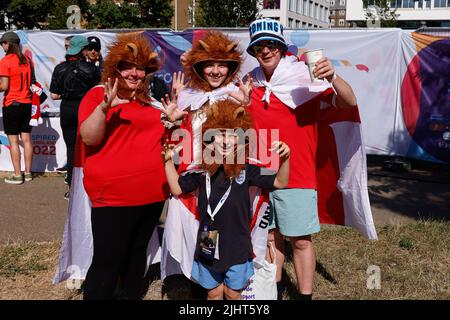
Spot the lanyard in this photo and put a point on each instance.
(211, 213)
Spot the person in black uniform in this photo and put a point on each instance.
(71, 80)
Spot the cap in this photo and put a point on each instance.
(76, 45)
(265, 29)
(10, 36)
(94, 43)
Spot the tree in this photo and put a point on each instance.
(28, 14)
(58, 14)
(379, 11)
(156, 13)
(227, 13)
(105, 14)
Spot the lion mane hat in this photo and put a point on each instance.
(133, 48)
(214, 47)
(227, 114)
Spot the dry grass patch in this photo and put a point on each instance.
(414, 263)
(413, 260)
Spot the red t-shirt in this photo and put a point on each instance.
(19, 80)
(297, 128)
(126, 169)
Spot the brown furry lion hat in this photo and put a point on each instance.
(226, 114)
(214, 47)
(133, 48)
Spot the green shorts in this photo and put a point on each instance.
(294, 212)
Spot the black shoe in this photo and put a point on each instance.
(66, 181)
(66, 195)
(62, 169)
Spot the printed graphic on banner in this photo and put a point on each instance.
(44, 144)
(170, 46)
(426, 97)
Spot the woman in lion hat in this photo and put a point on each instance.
(211, 66)
(121, 134)
(223, 258)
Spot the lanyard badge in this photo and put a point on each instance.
(209, 237)
(209, 241)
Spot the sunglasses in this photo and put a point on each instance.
(269, 44)
(126, 68)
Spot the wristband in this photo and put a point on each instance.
(333, 78)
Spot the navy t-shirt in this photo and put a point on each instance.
(234, 218)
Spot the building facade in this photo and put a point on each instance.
(185, 14)
(338, 10)
(297, 14)
(411, 13)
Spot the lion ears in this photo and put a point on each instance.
(230, 47)
(134, 51)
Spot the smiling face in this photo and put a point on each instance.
(132, 75)
(268, 53)
(215, 72)
(225, 142)
(93, 55)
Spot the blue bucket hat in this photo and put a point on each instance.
(266, 29)
(76, 45)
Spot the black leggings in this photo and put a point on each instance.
(121, 236)
(69, 126)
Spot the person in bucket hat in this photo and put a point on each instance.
(268, 30)
(284, 98)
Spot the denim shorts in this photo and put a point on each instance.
(236, 277)
(294, 212)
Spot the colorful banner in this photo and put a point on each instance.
(401, 80)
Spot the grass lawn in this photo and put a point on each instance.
(413, 262)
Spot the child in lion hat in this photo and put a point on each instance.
(223, 261)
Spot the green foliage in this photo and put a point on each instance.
(104, 14)
(58, 14)
(227, 13)
(156, 13)
(20, 260)
(386, 15)
(406, 243)
(28, 14)
(107, 15)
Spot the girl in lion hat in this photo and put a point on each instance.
(223, 199)
(211, 66)
(121, 135)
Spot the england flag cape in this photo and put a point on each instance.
(343, 197)
(76, 251)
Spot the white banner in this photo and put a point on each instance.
(377, 63)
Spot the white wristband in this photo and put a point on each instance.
(331, 83)
(333, 78)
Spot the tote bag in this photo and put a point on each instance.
(262, 285)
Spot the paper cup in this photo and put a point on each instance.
(312, 56)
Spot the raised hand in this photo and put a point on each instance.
(245, 90)
(324, 69)
(171, 110)
(178, 84)
(110, 98)
(169, 151)
(282, 149)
